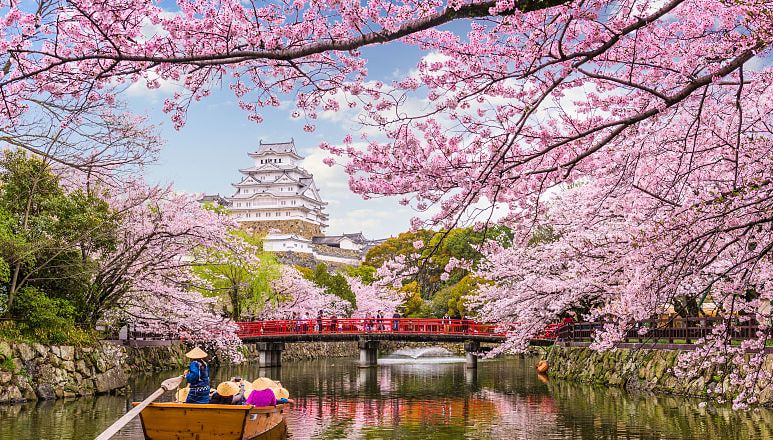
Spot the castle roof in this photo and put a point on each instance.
(336, 239)
(276, 147)
(216, 199)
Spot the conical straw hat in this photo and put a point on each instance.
(282, 393)
(227, 389)
(263, 383)
(196, 353)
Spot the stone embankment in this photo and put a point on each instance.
(639, 370)
(35, 371)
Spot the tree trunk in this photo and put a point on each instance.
(236, 311)
(14, 287)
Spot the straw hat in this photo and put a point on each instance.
(227, 389)
(282, 393)
(263, 383)
(196, 353)
(182, 394)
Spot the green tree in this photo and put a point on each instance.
(414, 306)
(451, 299)
(364, 272)
(52, 232)
(438, 249)
(333, 283)
(241, 274)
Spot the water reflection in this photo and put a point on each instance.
(504, 399)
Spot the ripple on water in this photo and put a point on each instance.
(429, 398)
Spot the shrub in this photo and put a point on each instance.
(47, 320)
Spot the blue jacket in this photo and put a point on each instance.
(198, 379)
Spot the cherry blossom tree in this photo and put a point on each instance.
(147, 279)
(626, 267)
(373, 297)
(294, 293)
(86, 141)
(660, 110)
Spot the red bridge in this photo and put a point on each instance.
(270, 336)
(419, 329)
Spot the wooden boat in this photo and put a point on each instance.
(179, 421)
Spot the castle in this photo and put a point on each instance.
(279, 199)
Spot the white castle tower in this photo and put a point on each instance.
(277, 195)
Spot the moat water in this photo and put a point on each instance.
(422, 398)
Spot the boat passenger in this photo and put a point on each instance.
(228, 393)
(281, 394)
(197, 376)
(262, 392)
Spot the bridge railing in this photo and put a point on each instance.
(672, 330)
(370, 325)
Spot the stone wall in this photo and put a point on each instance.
(297, 259)
(35, 371)
(298, 227)
(156, 358)
(306, 260)
(641, 370)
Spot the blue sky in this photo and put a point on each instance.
(206, 153)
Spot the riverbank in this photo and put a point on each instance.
(36, 372)
(648, 370)
(31, 372)
(39, 372)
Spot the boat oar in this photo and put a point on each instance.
(166, 385)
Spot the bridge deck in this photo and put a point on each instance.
(386, 329)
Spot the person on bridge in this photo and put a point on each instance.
(319, 322)
(197, 376)
(380, 320)
(305, 320)
(297, 319)
(395, 321)
(334, 323)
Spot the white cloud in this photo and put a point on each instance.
(372, 222)
(376, 218)
(332, 181)
(166, 88)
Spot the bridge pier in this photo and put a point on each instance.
(471, 349)
(368, 352)
(270, 353)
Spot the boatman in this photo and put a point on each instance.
(197, 376)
